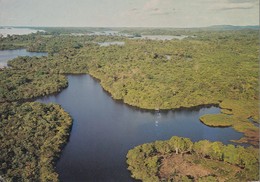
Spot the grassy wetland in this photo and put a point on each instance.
(205, 68)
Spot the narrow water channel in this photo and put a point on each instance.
(6, 55)
(104, 130)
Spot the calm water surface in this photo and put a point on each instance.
(104, 130)
(162, 37)
(17, 31)
(111, 43)
(6, 55)
(106, 32)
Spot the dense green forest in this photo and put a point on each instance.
(26, 84)
(212, 70)
(213, 67)
(51, 42)
(178, 159)
(209, 67)
(32, 135)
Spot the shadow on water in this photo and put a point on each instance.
(104, 130)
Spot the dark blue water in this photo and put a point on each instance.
(104, 130)
(6, 55)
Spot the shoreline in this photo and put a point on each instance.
(121, 101)
(141, 99)
(164, 110)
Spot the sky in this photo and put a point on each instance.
(129, 13)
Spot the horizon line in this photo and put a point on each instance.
(40, 26)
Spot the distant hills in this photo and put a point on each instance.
(232, 27)
(217, 27)
(137, 30)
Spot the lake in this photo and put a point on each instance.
(105, 32)
(105, 44)
(16, 31)
(6, 55)
(151, 37)
(104, 129)
(161, 37)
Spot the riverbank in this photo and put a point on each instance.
(17, 85)
(32, 134)
(133, 87)
(234, 113)
(32, 138)
(104, 130)
(219, 68)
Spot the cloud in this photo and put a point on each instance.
(237, 6)
(243, 1)
(151, 4)
(134, 9)
(161, 13)
(155, 9)
(234, 5)
(158, 7)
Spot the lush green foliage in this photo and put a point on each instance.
(145, 160)
(52, 42)
(184, 31)
(198, 72)
(237, 113)
(25, 84)
(65, 62)
(219, 120)
(212, 67)
(31, 137)
(15, 41)
(223, 67)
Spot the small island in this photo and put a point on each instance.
(179, 159)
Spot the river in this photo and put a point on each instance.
(104, 130)
(4, 31)
(6, 55)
